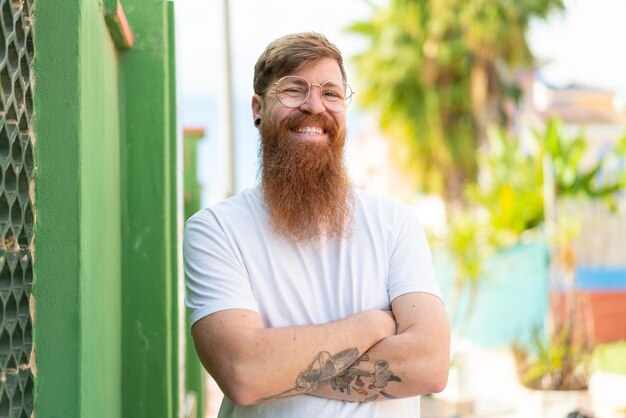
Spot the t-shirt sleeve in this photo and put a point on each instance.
(411, 267)
(215, 278)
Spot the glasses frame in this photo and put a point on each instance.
(346, 101)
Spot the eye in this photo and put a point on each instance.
(332, 95)
(293, 91)
(333, 91)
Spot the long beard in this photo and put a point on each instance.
(305, 184)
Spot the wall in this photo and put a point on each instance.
(603, 290)
(192, 188)
(77, 266)
(512, 299)
(151, 310)
(195, 378)
(108, 213)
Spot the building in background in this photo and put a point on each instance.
(600, 250)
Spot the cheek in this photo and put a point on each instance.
(278, 114)
(340, 120)
(272, 106)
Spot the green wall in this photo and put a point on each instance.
(150, 310)
(193, 190)
(106, 288)
(77, 264)
(100, 219)
(195, 377)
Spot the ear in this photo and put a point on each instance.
(257, 106)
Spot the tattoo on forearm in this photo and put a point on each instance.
(323, 368)
(364, 382)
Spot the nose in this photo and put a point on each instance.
(314, 103)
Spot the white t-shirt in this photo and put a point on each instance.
(234, 261)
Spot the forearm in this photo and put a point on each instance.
(256, 364)
(396, 367)
(413, 362)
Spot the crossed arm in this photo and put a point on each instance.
(413, 362)
(364, 357)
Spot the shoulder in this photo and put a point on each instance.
(229, 217)
(392, 217)
(387, 206)
(235, 207)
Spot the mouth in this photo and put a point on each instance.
(309, 128)
(310, 133)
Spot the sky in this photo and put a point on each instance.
(585, 44)
(582, 45)
(254, 24)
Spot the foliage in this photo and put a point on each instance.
(512, 177)
(511, 187)
(553, 364)
(560, 363)
(575, 177)
(509, 203)
(437, 73)
(467, 243)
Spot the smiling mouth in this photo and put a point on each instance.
(309, 130)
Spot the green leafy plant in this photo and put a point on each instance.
(553, 363)
(574, 177)
(513, 191)
(467, 243)
(510, 188)
(513, 178)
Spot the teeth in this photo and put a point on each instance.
(310, 130)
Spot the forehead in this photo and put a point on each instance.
(323, 70)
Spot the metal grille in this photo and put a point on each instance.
(16, 207)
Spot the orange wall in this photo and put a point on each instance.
(601, 314)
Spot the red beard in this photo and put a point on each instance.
(305, 184)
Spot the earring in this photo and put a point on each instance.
(257, 121)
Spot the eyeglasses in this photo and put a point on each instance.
(293, 91)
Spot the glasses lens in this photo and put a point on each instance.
(292, 91)
(336, 94)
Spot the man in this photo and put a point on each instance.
(306, 293)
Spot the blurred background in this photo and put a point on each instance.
(504, 124)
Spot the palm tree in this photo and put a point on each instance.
(437, 74)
